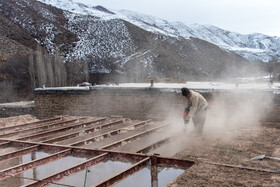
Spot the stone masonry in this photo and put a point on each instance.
(134, 103)
(141, 103)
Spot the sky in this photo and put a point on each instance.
(242, 16)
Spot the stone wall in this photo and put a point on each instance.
(140, 103)
(16, 109)
(9, 112)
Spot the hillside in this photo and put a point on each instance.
(63, 47)
(252, 47)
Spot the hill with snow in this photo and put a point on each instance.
(60, 42)
(253, 47)
(101, 45)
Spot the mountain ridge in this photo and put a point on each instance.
(111, 44)
(56, 47)
(253, 47)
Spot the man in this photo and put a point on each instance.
(196, 108)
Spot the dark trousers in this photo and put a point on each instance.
(199, 120)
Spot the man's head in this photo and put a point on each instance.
(186, 92)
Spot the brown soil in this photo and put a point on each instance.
(234, 148)
(17, 120)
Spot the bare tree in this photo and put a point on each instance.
(275, 68)
(46, 69)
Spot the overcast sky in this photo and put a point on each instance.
(243, 16)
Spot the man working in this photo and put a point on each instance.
(196, 107)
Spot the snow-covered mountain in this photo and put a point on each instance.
(121, 45)
(253, 47)
(60, 42)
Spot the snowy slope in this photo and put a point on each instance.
(74, 7)
(253, 47)
(98, 37)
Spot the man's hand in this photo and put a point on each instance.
(186, 113)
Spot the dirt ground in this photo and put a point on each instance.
(10, 121)
(234, 147)
(220, 154)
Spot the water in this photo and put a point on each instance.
(41, 171)
(16, 181)
(104, 170)
(8, 150)
(139, 179)
(143, 178)
(97, 173)
(167, 175)
(21, 159)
